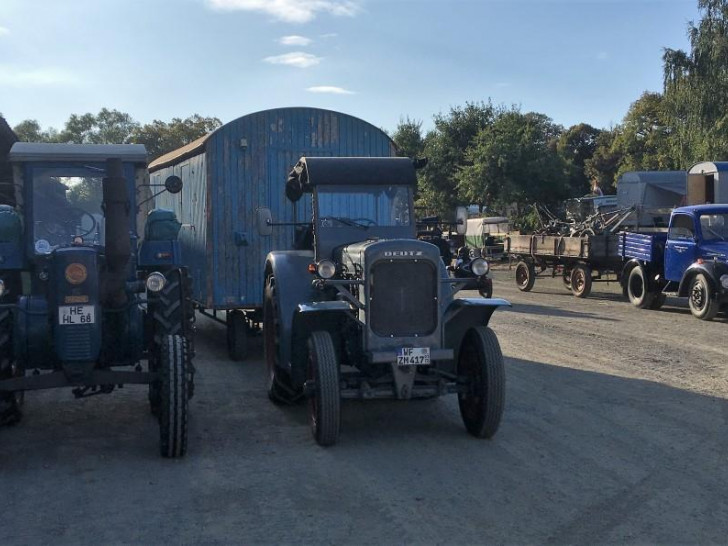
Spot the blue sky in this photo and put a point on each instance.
(573, 60)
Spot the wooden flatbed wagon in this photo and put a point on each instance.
(580, 261)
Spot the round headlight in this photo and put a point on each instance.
(724, 281)
(326, 269)
(76, 273)
(156, 282)
(2, 288)
(479, 267)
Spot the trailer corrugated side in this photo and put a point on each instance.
(234, 170)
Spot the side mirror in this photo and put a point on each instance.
(173, 184)
(461, 220)
(265, 222)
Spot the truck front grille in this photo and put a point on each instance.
(403, 298)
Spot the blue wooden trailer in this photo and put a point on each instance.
(228, 175)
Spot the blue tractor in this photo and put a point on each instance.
(82, 302)
(361, 309)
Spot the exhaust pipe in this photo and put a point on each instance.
(118, 243)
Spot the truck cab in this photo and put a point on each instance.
(690, 260)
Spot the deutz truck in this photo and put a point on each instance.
(690, 260)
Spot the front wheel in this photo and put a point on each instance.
(480, 366)
(174, 396)
(700, 298)
(485, 288)
(525, 276)
(325, 402)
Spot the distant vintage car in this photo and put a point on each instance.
(368, 311)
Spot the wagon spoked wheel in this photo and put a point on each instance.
(278, 386)
(581, 281)
(325, 401)
(174, 396)
(480, 368)
(566, 278)
(10, 403)
(525, 276)
(702, 303)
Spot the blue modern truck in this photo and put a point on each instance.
(689, 260)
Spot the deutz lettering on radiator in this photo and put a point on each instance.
(390, 253)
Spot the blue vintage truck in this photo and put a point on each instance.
(689, 260)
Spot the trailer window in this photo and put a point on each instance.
(714, 227)
(682, 227)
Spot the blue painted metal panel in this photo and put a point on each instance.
(642, 246)
(243, 166)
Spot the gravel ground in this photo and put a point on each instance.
(615, 431)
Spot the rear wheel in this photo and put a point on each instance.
(237, 335)
(174, 396)
(278, 384)
(325, 402)
(10, 403)
(700, 298)
(480, 365)
(525, 276)
(638, 289)
(581, 281)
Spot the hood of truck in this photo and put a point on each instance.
(354, 256)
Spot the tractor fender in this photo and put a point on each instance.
(712, 271)
(464, 313)
(293, 285)
(310, 317)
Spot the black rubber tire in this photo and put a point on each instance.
(638, 289)
(237, 336)
(480, 365)
(171, 314)
(11, 404)
(278, 385)
(700, 298)
(566, 278)
(486, 290)
(525, 276)
(658, 301)
(581, 281)
(325, 402)
(173, 371)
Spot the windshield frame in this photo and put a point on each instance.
(328, 238)
(68, 169)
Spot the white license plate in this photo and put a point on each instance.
(413, 356)
(76, 314)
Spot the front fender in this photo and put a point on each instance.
(464, 313)
(712, 270)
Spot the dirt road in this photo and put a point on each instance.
(615, 430)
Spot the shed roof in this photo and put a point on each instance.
(34, 151)
(180, 154)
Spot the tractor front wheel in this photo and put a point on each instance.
(480, 367)
(174, 396)
(325, 402)
(10, 403)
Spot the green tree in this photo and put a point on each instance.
(602, 167)
(106, 127)
(576, 146)
(408, 138)
(161, 137)
(513, 162)
(696, 90)
(30, 130)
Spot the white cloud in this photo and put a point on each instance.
(290, 11)
(39, 77)
(299, 59)
(295, 41)
(330, 89)
(4, 31)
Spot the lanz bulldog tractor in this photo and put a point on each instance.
(78, 300)
(369, 311)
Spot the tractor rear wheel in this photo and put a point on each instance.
(278, 385)
(237, 335)
(325, 402)
(480, 365)
(10, 403)
(174, 396)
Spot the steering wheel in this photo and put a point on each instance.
(61, 229)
